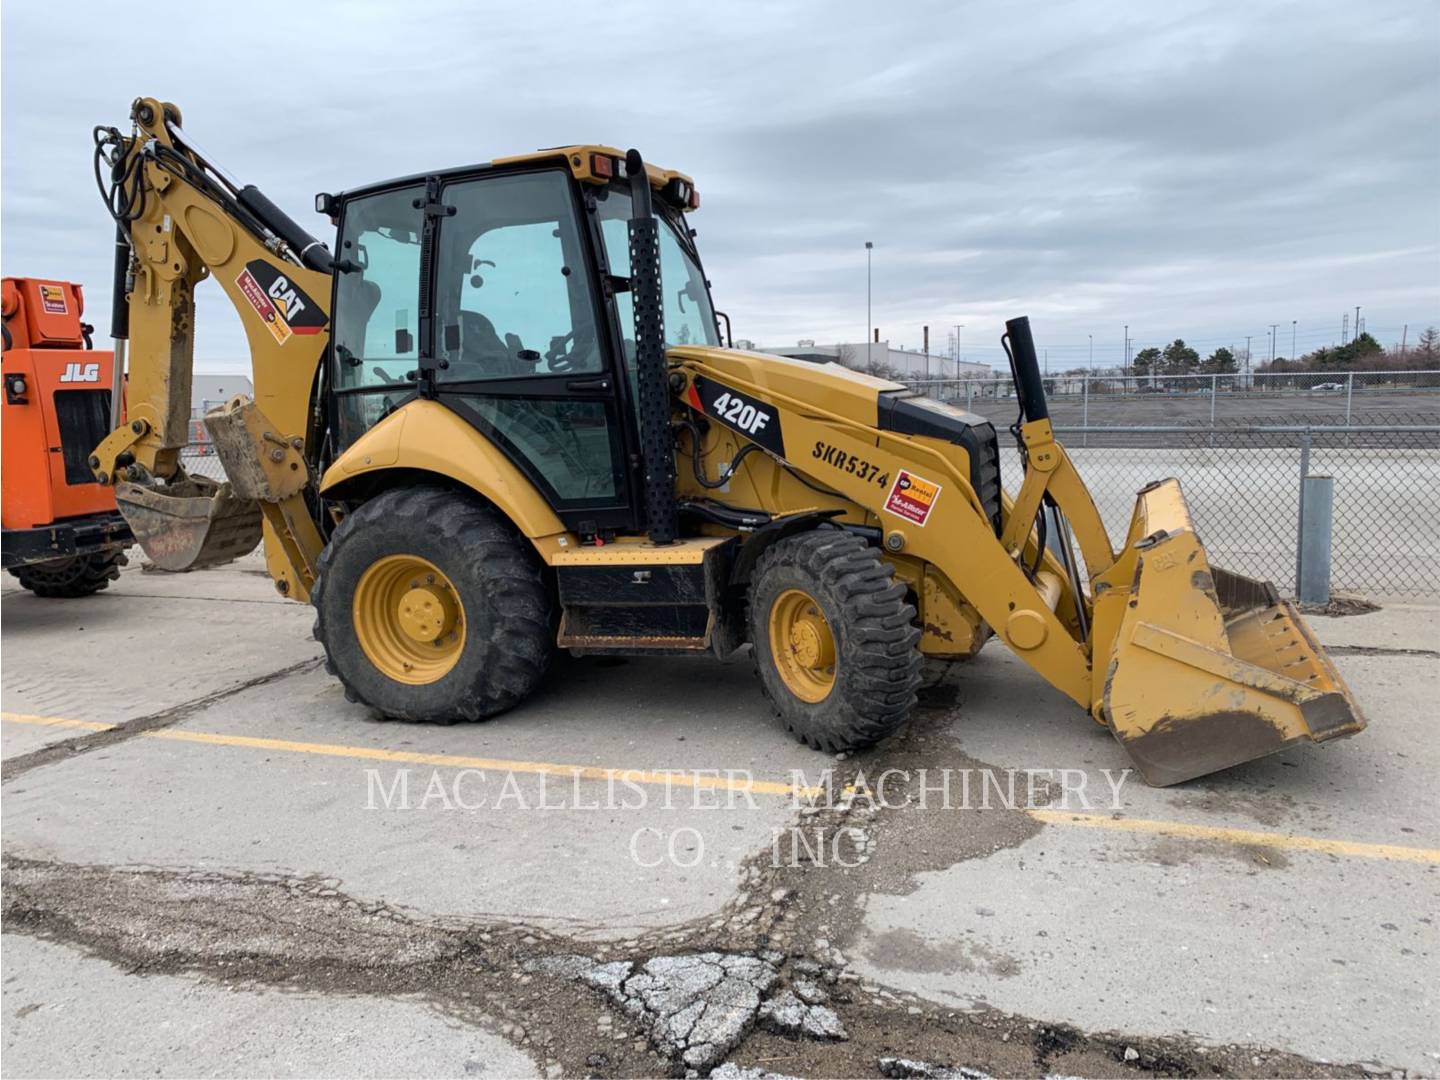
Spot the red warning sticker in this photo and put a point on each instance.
(52, 300)
(912, 497)
(267, 311)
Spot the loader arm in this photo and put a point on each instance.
(1192, 668)
(186, 221)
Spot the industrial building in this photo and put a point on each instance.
(860, 355)
(208, 391)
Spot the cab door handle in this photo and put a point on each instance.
(588, 384)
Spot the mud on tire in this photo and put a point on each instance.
(509, 635)
(78, 575)
(877, 661)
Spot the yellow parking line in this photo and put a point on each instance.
(1282, 841)
(666, 778)
(55, 721)
(721, 781)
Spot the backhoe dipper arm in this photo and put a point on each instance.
(186, 220)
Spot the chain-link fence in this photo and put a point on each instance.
(1239, 444)
(200, 459)
(1085, 399)
(1242, 483)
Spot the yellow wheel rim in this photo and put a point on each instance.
(409, 619)
(802, 645)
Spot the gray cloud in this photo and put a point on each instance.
(1197, 170)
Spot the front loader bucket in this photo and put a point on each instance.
(1207, 669)
(191, 524)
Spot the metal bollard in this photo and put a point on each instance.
(1317, 505)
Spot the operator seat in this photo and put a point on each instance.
(359, 299)
(483, 354)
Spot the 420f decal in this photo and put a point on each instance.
(757, 420)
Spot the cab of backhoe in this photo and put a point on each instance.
(502, 292)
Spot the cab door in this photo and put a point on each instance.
(521, 349)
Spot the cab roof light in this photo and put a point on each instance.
(602, 166)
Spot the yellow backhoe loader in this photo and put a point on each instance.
(499, 419)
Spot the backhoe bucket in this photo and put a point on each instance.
(1206, 669)
(191, 524)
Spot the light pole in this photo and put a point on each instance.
(869, 320)
(1274, 328)
(1292, 337)
(1126, 361)
(1091, 366)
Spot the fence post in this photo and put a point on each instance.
(1349, 395)
(1085, 420)
(1317, 503)
(1300, 512)
(1214, 389)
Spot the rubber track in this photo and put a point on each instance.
(79, 575)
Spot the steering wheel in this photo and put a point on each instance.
(558, 357)
(561, 359)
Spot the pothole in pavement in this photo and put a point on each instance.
(763, 986)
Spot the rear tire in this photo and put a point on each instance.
(78, 575)
(490, 656)
(830, 582)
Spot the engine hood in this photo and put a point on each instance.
(829, 386)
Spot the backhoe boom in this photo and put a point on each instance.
(186, 221)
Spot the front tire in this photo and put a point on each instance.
(77, 575)
(834, 638)
(432, 608)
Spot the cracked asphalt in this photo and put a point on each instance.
(214, 865)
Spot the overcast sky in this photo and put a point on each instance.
(1192, 169)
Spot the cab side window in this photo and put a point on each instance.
(513, 283)
(377, 306)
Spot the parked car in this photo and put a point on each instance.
(1329, 386)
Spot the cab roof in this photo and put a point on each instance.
(585, 161)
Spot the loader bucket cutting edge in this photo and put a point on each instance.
(192, 525)
(1207, 669)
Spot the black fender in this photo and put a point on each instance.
(776, 529)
